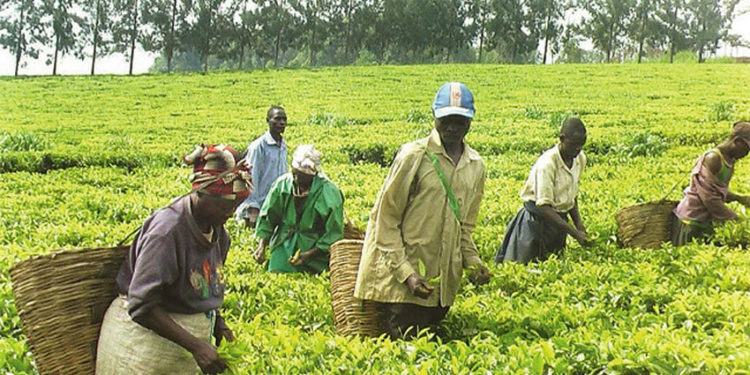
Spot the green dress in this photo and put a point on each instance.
(320, 224)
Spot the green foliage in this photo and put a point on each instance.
(603, 309)
(721, 111)
(557, 118)
(641, 144)
(22, 142)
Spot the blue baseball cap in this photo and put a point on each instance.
(453, 98)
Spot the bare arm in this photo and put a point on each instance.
(576, 217)
(553, 217)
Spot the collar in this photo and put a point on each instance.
(558, 156)
(435, 144)
(268, 138)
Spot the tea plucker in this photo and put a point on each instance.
(425, 213)
(301, 218)
(171, 283)
(550, 196)
(704, 200)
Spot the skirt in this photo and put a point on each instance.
(530, 237)
(126, 347)
(683, 232)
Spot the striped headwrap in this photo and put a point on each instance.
(217, 171)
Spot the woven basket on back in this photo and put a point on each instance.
(61, 298)
(646, 225)
(351, 316)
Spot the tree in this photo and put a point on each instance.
(127, 28)
(545, 21)
(162, 33)
(707, 23)
(26, 33)
(509, 33)
(644, 28)
(63, 35)
(606, 23)
(96, 30)
(669, 16)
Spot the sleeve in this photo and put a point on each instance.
(272, 211)
(390, 208)
(156, 266)
(257, 161)
(469, 251)
(334, 219)
(544, 182)
(711, 194)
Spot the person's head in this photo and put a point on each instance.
(305, 164)
(220, 180)
(740, 139)
(453, 109)
(276, 118)
(572, 137)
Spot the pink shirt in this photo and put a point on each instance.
(704, 198)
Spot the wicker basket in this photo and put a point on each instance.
(61, 298)
(351, 316)
(646, 225)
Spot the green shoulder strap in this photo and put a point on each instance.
(452, 202)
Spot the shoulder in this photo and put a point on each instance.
(582, 159)
(548, 159)
(712, 161)
(331, 192)
(284, 181)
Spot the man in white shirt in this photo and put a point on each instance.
(550, 196)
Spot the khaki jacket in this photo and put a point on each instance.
(412, 220)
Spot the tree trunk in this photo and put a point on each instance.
(96, 37)
(347, 40)
(134, 35)
(671, 34)
(610, 41)
(20, 37)
(546, 36)
(481, 42)
(641, 36)
(57, 49)
(207, 48)
(278, 46)
(170, 43)
(311, 20)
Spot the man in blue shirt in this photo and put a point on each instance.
(267, 156)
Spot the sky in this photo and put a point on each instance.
(117, 63)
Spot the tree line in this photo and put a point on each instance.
(245, 34)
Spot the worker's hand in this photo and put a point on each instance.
(419, 286)
(260, 254)
(253, 218)
(582, 238)
(480, 275)
(300, 258)
(208, 359)
(222, 332)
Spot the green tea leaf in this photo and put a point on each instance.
(422, 268)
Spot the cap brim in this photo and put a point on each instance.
(447, 111)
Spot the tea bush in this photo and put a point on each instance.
(100, 161)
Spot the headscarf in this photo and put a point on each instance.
(741, 130)
(217, 171)
(306, 159)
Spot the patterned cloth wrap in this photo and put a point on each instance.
(217, 171)
(306, 159)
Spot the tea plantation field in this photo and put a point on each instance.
(84, 160)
